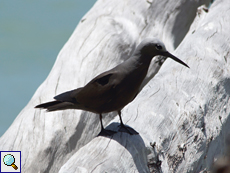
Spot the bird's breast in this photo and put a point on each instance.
(109, 93)
(124, 91)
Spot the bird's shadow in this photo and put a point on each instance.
(133, 143)
(117, 127)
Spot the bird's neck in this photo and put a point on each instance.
(136, 67)
(139, 63)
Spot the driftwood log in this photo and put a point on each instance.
(182, 115)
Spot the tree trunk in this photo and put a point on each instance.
(183, 113)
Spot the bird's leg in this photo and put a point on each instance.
(119, 113)
(124, 128)
(102, 127)
(103, 131)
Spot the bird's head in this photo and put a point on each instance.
(151, 47)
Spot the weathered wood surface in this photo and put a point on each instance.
(184, 111)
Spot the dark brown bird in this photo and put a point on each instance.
(113, 89)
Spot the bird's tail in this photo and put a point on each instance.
(55, 106)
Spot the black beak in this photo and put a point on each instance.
(174, 58)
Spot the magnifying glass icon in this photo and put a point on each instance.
(9, 160)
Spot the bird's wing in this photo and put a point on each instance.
(68, 96)
(99, 90)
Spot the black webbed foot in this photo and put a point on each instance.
(105, 132)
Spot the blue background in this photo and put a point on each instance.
(31, 35)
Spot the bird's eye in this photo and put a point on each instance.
(158, 47)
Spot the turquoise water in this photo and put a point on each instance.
(31, 35)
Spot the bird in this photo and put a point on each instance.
(112, 90)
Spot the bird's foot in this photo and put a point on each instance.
(105, 132)
(126, 129)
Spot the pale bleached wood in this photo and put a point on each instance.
(179, 107)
